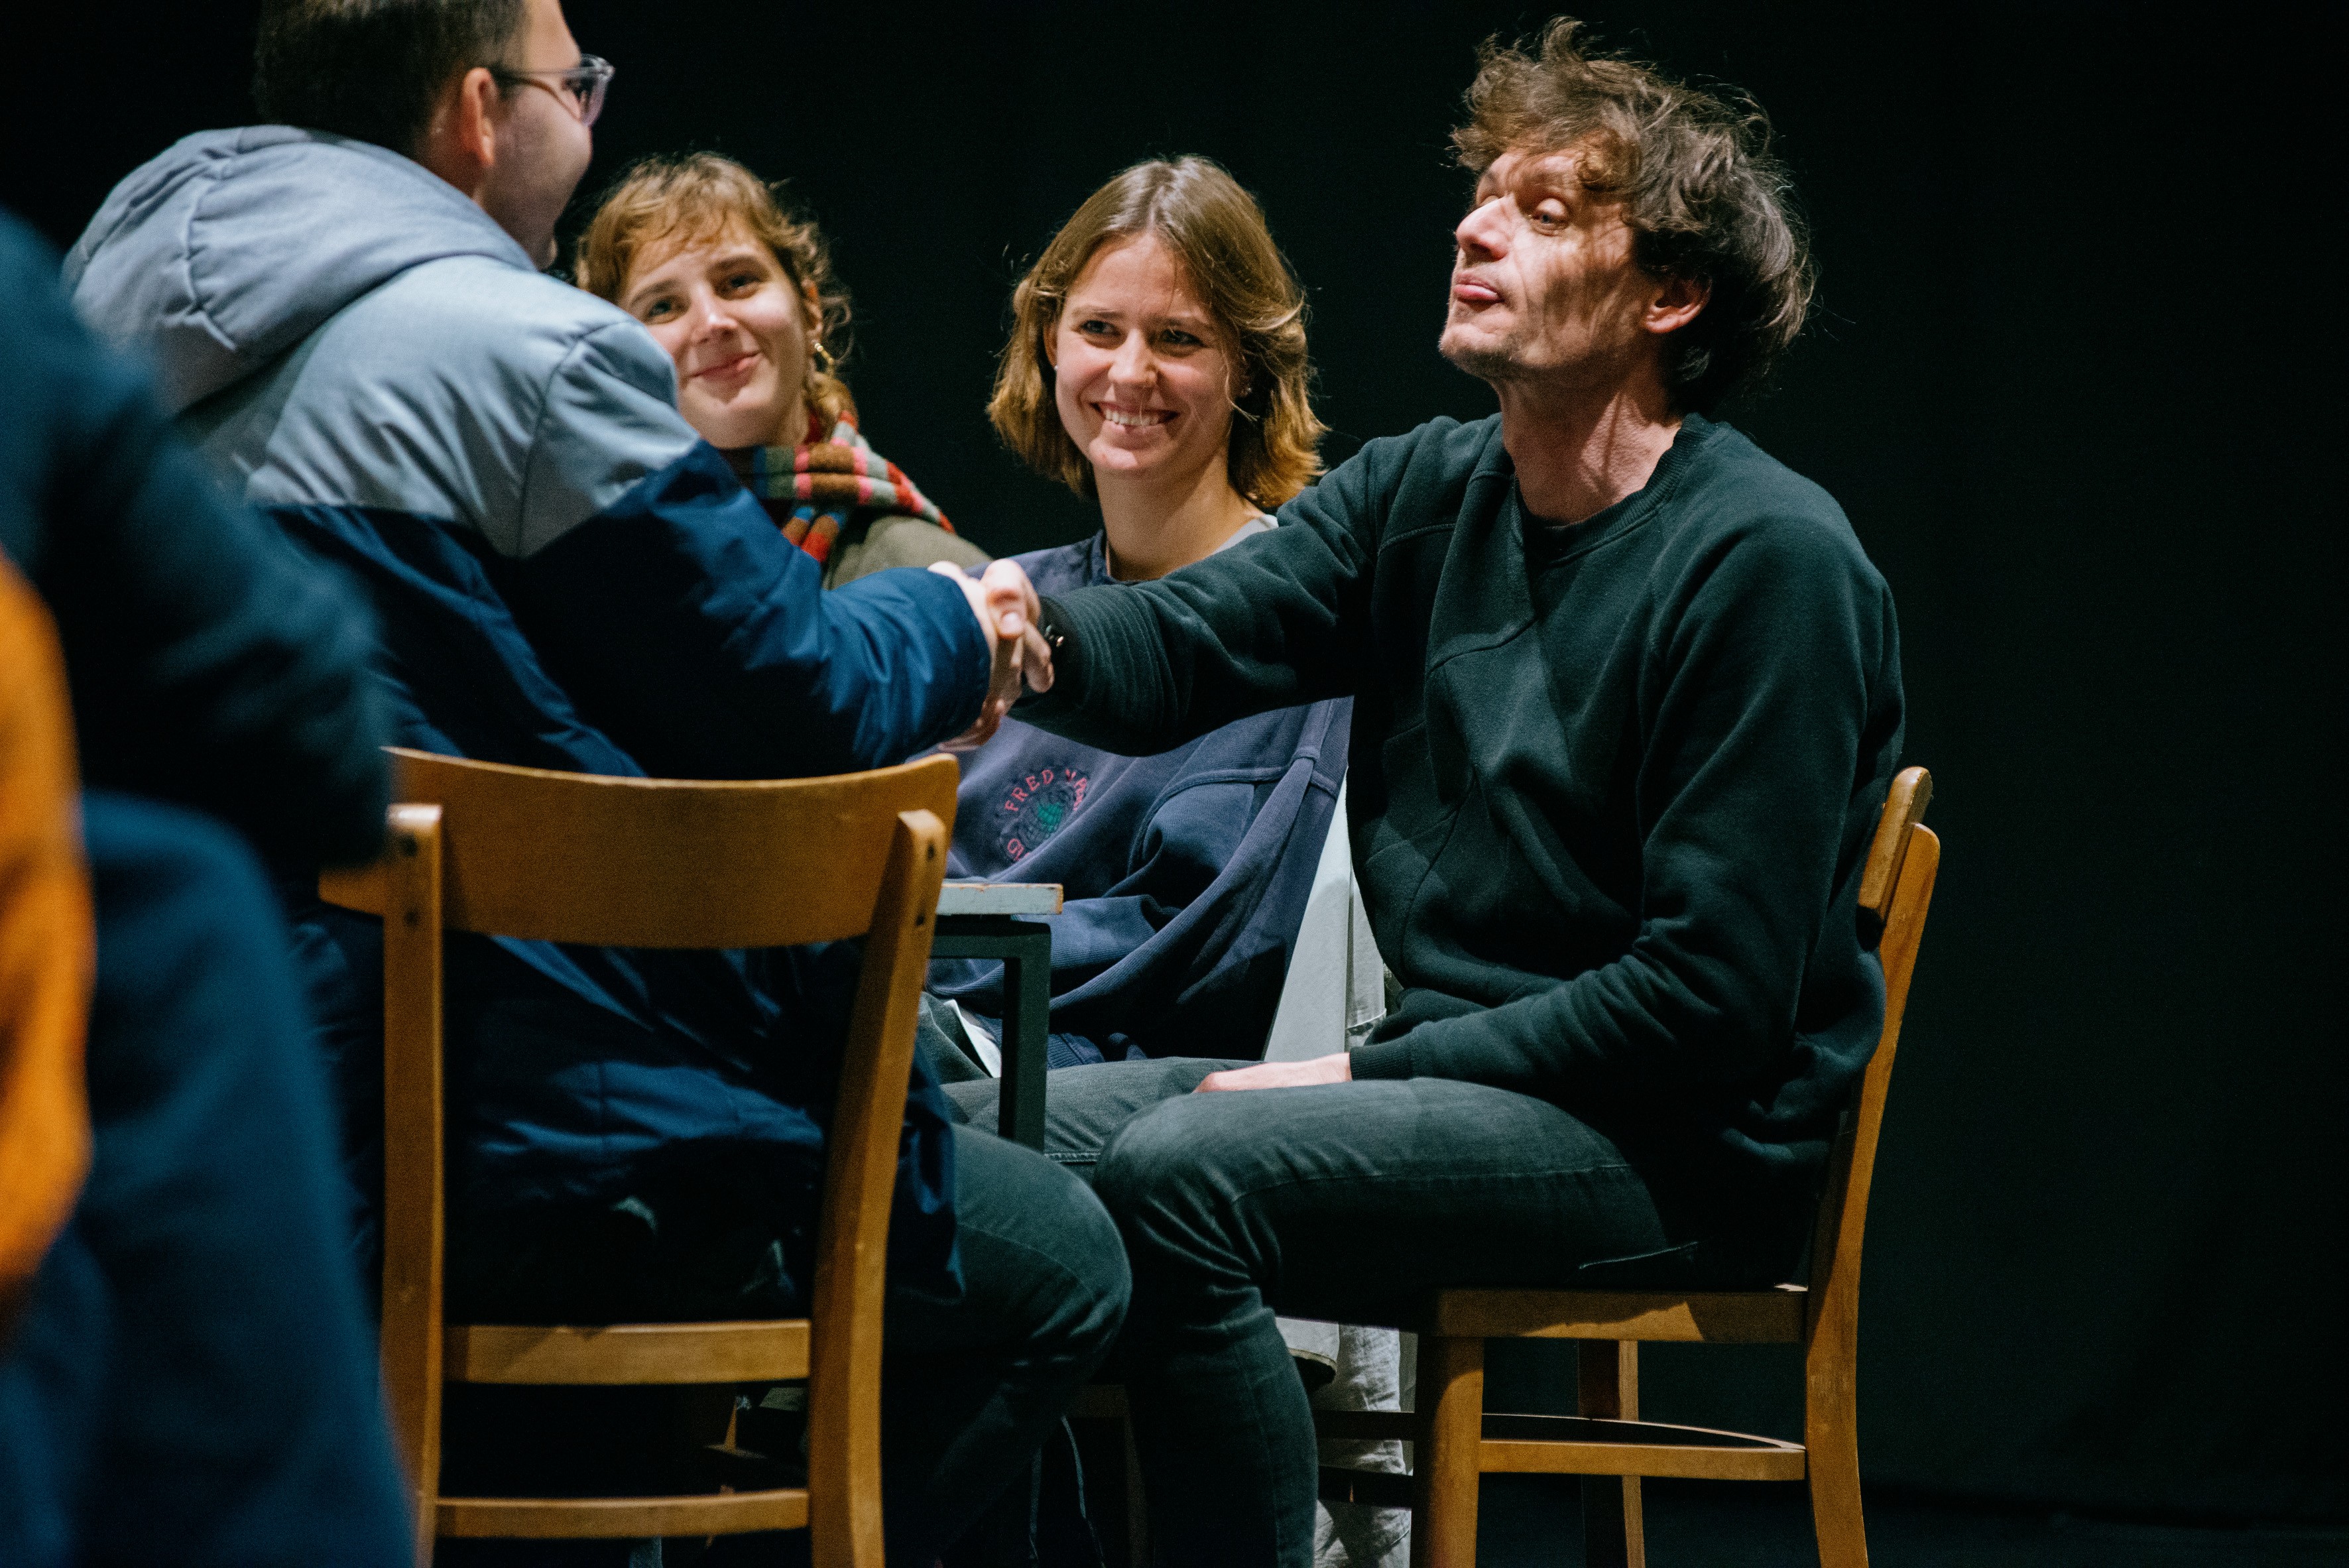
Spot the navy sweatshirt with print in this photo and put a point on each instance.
(1186, 873)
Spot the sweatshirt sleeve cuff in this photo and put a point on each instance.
(1383, 1059)
(1062, 630)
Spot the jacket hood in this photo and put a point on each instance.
(214, 258)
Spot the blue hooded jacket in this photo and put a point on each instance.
(567, 577)
(1187, 874)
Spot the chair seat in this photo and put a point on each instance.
(628, 1353)
(1772, 1317)
(603, 1517)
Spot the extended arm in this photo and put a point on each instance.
(1279, 620)
(667, 602)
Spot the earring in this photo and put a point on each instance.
(821, 357)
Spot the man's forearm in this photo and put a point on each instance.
(1110, 684)
(1141, 668)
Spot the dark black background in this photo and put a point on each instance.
(2073, 378)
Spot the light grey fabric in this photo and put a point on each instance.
(1349, 1367)
(1371, 1367)
(1335, 989)
(343, 329)
(899, 541)
(607, 418)
(1315, 1347)
(231, 246)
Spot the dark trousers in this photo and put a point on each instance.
(195, 1382)
(1346, 1202)
(970, 1386)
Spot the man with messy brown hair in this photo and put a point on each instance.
(1702, 201)
(1627, 701)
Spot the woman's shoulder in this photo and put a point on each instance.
(1066, 567)
(899, 541)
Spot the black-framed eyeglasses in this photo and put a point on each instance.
(582, 85)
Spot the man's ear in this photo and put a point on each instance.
(1676, 302)
(459, 141)
(478, 97)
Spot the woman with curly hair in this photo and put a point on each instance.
(741, 291)
(1156, 366)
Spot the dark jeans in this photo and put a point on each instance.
(971, 1386)
(1346, 1202)
(195, 1381)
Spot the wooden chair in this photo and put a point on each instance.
(1455, 1442)
(647, 863)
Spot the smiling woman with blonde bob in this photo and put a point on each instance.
(1156, 366)
(739, 290)
(1168, 269)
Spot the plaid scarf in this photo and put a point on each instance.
(816, 491)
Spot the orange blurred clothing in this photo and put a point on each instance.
(46, 945)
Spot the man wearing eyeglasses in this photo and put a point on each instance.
(346, 312)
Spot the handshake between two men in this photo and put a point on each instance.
(1005, 603)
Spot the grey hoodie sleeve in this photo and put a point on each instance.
(209, 664)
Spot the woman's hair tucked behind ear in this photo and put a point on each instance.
(689, 198)
(1217, 235)
(1705, 198)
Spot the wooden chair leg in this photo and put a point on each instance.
(414, 1179)
(1831, 1434)
(1613, 1533)
(1450, 1423)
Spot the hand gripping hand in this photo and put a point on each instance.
(1005, 603)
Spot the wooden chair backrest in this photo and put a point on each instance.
(664, 863)
(48, 946)
(1896, 889)
(643, 863)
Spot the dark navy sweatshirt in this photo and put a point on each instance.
(1186, 874)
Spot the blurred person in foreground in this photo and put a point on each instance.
(740, 291)
(190, 1379)
(1627, 702)
(346, 313)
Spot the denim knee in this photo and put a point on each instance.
(1094, 1252)
(1040, 1214)
(1162, 1166)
